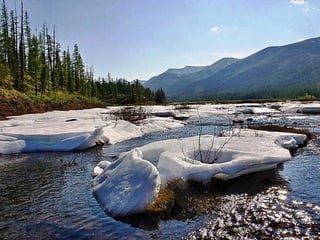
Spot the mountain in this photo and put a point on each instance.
(142, 82)
(185, 70)
(174, 81)
(281, 71)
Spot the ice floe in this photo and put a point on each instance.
(17, 143)
(72, 130)
(128, 185)
(310, 109)
(80, 129)
(100, 167)
(199, 158)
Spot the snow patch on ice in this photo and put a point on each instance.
(128, 185)
(17, 143)
(72, 130)
(100, 167)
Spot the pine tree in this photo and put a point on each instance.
(67, 71)
(44, 69)
(59, 69)
(51, 44)
(160, 96)
(13, 50)
(44, 74)
(34, 62)
(5, 41)
(22, 54)
(77, 69)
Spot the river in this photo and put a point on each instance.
(47, 196)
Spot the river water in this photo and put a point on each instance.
(47, 196)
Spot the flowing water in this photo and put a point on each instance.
(47, 196)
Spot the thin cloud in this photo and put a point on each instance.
(214, 29)
(310, 9)
(298, 2)
(306, 6)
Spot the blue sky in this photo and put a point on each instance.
(142, 38)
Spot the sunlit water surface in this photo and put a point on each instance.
(47, 196)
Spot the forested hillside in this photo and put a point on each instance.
(34, 63)
(291, 71)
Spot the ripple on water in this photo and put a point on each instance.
(265, 215)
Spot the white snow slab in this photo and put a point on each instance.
(17, 143)
(247, 151)
(127, 186)
(254, 108)
(77, 129)
(51, 131)
(131, 183)
(100, 167)
(71, 130)
(120, 130)
(158, 124)
(310, 109)
(293, 107)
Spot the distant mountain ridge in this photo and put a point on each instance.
(282, 71)
(185, 70)
(176, 81)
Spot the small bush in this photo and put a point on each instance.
(307, 97)
(182, 107)
(131, 114)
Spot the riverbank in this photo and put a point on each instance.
(13, 103)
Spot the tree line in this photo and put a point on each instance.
(34, 63)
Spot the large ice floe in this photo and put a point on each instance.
(131, 183)
(72, 130)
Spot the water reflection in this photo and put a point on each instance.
(194, 199)
(265, 215)
(43, 197)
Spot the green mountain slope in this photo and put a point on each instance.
(176, 81)
(272, 72)
(284, 71)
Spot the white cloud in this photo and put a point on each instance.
(298, 2)
(309, 9)
(306, 9)
(215, 29)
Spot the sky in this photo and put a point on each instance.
(138, 39)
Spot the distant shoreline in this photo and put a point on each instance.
(8, 110)
(13, 103)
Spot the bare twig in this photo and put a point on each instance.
(218, 153)
(200, 134)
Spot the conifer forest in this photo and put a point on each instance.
(34, 63)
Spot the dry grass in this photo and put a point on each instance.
(163, 204)
(131, 114)
(13, 102)
(180, 198)
(182, 107)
